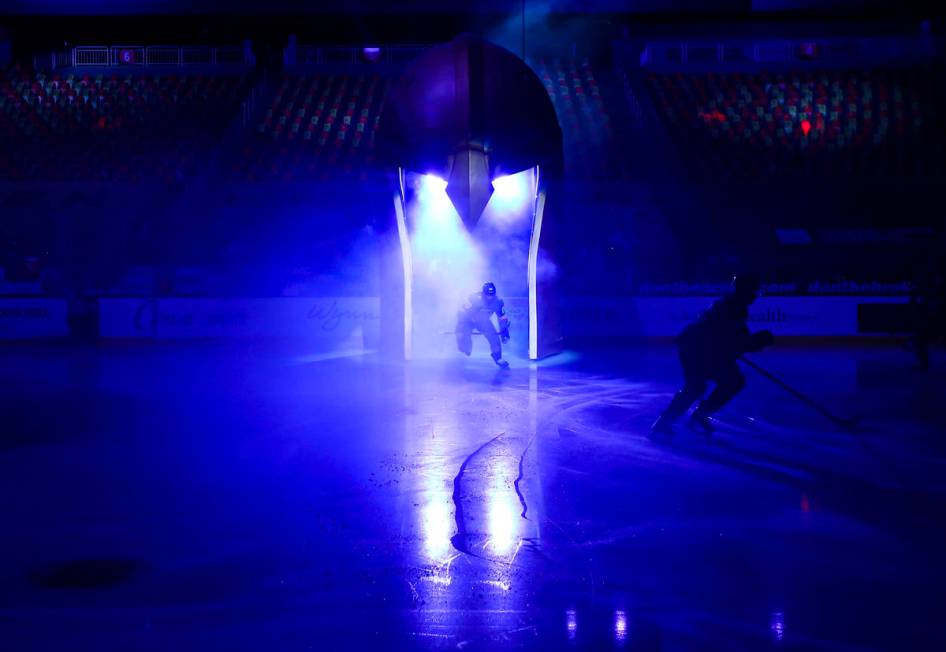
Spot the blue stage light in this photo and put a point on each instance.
(437, 226)
(446, 263)
(511, 204)
(512, 190)
(432, 196)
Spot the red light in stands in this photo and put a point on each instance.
(712, 116)
(805, 127)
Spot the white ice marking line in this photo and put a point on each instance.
(505, 586)
(516, 553)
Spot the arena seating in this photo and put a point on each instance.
(588, 131)
(879, 122)
(316, 126)
(111, 127)
(323, 124)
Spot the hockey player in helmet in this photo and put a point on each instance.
(476, 314)
(708, 350)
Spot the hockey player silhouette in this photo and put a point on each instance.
(708, 350)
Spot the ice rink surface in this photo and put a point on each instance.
(260, 497)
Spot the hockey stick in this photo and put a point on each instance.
(473, 332)
(846, 423)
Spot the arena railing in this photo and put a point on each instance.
(95, 55)
(196, 55)
(152, 55)
(350, 54)
(128, 55)
(163, 55)
(689, 53)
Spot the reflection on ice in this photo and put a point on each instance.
(571, 624)
(438, 527)
(777, 625)
(469, 535)
(502, 536)
(620, 626)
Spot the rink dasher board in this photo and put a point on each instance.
(343, 321)
(809, 316)
(348, 321)
(33, 318)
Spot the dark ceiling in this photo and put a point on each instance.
(467, 7)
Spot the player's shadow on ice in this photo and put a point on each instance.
(476, 373)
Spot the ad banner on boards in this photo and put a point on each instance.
(667, 316)
(22, 319)
(348, 321)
